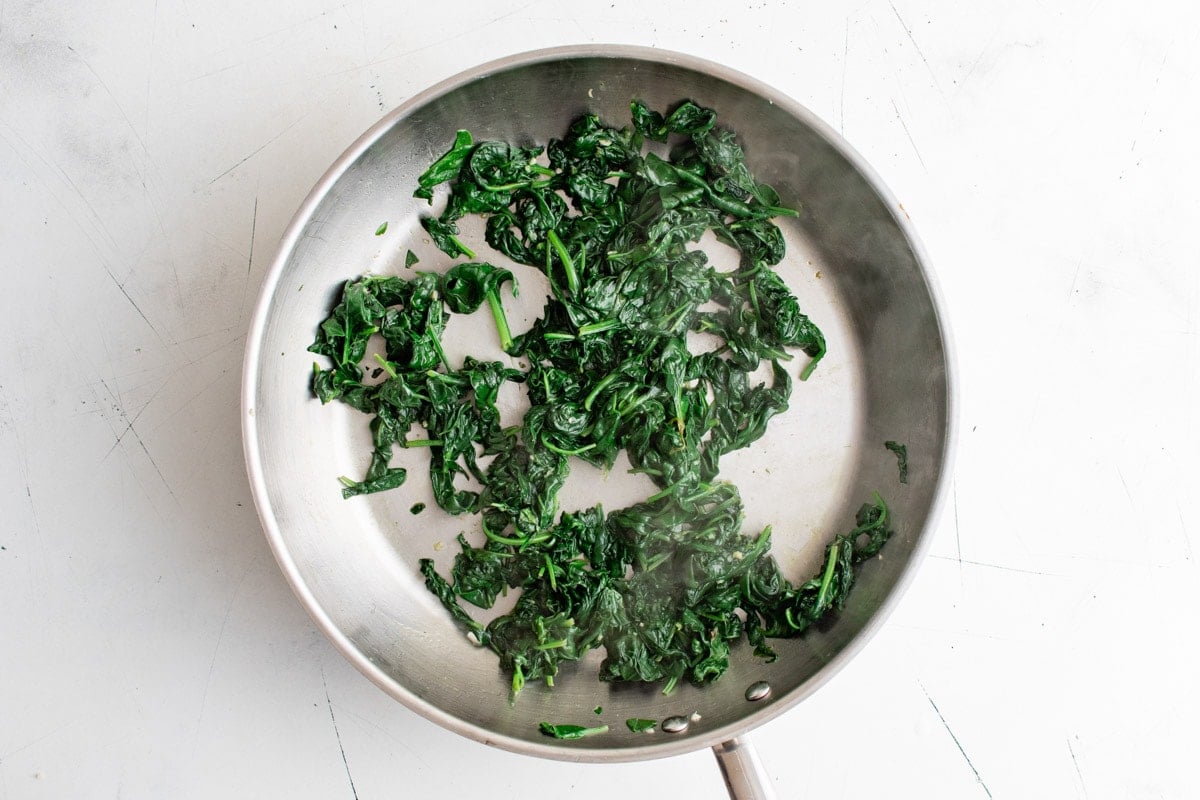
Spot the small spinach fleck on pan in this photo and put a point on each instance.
(901, 452)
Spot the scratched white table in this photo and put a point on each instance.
(151, 154)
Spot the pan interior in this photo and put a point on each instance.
(851, 263)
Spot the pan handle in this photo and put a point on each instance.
(742, 771)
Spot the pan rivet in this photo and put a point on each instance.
(674, 724)
(760, 690)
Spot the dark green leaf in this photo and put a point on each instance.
(445, 236)
(570, 731)
(648, 122)
(901, 452)
(388, 480)
(691, 119)
(446, 167)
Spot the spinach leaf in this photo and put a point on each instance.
(446, 167)
(467, 286)
(570, 731)
(686, 118)
(901, 452)
(444, 234)
(380, 477)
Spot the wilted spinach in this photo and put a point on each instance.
(666, 586)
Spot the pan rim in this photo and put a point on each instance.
(580, 751)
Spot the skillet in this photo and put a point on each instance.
(858, 270)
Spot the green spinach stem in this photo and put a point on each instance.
(493, 301)
(565, 258)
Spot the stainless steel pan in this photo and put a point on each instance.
(858, 270)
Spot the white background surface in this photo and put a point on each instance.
(151, 154)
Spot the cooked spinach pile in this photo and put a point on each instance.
(667, 585)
